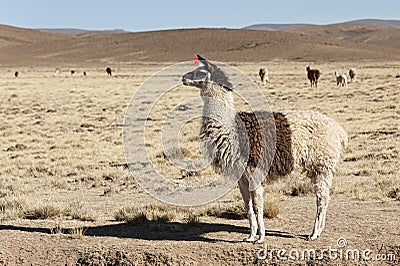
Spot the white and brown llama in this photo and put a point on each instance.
(307, 140)
(57, 72)
(341, 79)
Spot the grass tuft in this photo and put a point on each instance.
(272, 207)
(42, 212)
(192, 219)
(77, 232)
(145, 215)
(234, 212)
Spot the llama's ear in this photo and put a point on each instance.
(199, 59)
(207, 65)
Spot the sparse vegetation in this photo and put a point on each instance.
(77, 232)
(42, 212)
(48, 159)
(57, 230)
(272, 206)
(235, 211)
(146, 214)
(78, 212)
(192, 219)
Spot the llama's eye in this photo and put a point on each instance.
(200, 75)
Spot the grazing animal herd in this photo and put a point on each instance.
(57, 72)
(306, 140)
(313, 76)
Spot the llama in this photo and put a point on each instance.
(57, 72)
(307, 140)
(16, 74)
(84, 73)
(109, 71)
(313, 76)
(263, 73)
(340, 79)
(352, 74)
(72, 73)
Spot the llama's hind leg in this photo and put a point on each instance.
(322, 184)
(244, 190)
(257, 198)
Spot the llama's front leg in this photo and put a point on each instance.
(257, 197)
(244, 190)
(322, 186)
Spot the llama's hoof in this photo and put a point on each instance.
(249, 239)
(312, 237)
(259, 241)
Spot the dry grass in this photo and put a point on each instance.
(42, 212)
(146, 214)
(78, 211)
(192, 219)
(12, 207)
(57, 230)
(63, 142)
(77, 232)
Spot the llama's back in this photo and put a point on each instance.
(282, 141)
(317, 140)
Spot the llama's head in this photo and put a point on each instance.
(308, 68)
(209, 78)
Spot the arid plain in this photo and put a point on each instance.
(67, 197)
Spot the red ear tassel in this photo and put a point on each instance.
(196, 59)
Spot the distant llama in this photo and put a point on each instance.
(16, 74)
(72, 72)
(57, 72)
(84, 73)
(263, 73)
(313, 75)
(306, 140)
(340, 79)
(353, 75)
(109, 71)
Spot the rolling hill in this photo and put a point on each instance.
(376, 22)
(383, 36)
(13, 36)
(339, 42)
(73, 31)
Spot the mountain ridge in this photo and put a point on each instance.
(307, 43)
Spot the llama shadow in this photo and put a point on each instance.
(281, 234)
(166, 231)
(150, 231)
(157, 231)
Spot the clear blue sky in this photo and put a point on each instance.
(153, 15)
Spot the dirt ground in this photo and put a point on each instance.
(63, 175)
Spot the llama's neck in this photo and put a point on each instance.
(218, 134)
(218, 104)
